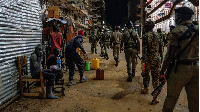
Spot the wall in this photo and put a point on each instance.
(20, 32)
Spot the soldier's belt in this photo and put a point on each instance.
(116, 43)
(130, 47)
(187, 62)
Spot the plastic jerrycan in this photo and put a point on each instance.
(95, 63)
(87, 67)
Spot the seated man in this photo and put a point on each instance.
(52, 61)
(35, 66)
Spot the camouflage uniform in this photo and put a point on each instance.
(130, 50)
(100, 38)
(151, 57)
(93, 42)
(106, 44)
(116, 40)
(162, 40)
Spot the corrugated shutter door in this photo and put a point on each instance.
(20, 32)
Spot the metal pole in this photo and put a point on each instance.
(142, 4)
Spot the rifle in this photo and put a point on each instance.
(168, 72)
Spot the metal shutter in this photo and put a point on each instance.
(20, 32)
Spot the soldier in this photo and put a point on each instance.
(93, 41)
(100, 38)
(116, 41)
(131, 44)
(167, 37)
(151, 46)
(106, 43)
(162, 40)
(184, 42)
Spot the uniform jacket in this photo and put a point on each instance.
(106, 37)
(116, 37)
(132, 40)
(151, 45)
(192, 52)
(73, 44)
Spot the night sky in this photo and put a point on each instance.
(116, 10)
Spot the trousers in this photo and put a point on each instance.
(71, 60)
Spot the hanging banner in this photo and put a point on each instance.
(148, 1)
(167, 5)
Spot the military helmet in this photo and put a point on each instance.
(117, 27)
(183, 14)
(159, 30)
(184, 10)
(150, 23)
(129, 24)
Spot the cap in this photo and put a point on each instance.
(184, 10)
(129, 24)
(81, 32)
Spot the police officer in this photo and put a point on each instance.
(116, 41)
(100, 38)
(72, 57)
(187, 65)
(106, 43)
(151, 46)
(93, 41)
(131, 45)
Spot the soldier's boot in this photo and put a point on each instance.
(92, 51)
(129, 79)
(133, 73)
(155, 101)
(145, 90)
(96, 51)
(49, 94)
(107, 57)
(83, 79)
(101, 54)
(116, 60)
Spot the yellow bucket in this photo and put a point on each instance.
(95, 63)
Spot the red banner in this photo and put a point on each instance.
(167, 5)
(89, 21)
(148, 1)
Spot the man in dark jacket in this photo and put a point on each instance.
(35, 66)
(72, 57)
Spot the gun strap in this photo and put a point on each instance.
(196, 33)
(184, 37)
(129, 37)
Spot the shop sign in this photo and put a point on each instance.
(90, 21)
(167, 5)
(173, 0)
